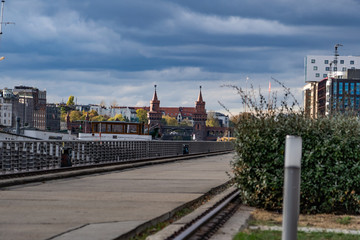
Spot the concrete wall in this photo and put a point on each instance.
(48, 135)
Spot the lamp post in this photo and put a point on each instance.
(291, 202)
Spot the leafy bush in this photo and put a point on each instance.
(330, 171)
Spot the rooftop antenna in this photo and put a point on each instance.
(336, 56)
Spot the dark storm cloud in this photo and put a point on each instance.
(107, 46)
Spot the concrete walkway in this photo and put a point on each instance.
(105, 206)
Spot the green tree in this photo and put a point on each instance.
(70, 101)
(142, 115)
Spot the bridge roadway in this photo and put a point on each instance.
(107, 205)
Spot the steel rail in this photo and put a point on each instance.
(204, 219)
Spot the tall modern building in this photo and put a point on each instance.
(311, 99)
(32, 106)
(337, 93)
(340, 94)
(319, 67)
(52, 117)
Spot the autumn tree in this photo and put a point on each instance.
(212, 121)
(186, 122)
(70, 101)
(117, 117)
(75, 116)
(63, 116)
(99, 118)
(93, 114)
(236, 119)
(141, 114)
(169, 121)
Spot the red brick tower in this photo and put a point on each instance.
(154, 115)
(199, 119)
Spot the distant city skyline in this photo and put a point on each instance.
(117, 50)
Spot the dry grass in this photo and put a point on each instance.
(262, 217)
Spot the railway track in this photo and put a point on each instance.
(206, 224)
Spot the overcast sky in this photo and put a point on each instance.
(116, 50)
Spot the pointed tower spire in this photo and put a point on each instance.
(154, 115)
(199, 119)
(155, 98)
(200, 99)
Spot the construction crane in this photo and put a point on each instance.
(2, 22)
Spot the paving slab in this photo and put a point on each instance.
(104, 206)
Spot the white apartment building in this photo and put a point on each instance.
(5, 113)
(101, 110)
(319, 67)
(223, 119)
(127, 112)
(6, 108)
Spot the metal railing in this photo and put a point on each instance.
(26, 156)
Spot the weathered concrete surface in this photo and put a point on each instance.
(176, 226)
(105, 206)
(235, 224)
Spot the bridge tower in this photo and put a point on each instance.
(199, 119)
(154, 115)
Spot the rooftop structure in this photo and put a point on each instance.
(320, 67)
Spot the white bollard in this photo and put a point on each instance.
(291, 203)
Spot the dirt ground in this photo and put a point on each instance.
(262, 217)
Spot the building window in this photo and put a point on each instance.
(324, 75)
(352, 87)
(340, 101)
(344, 69)
(335, 61)
(341, 61)
(312, 60)
(346, 102)
(358, 89)
(334, 88)
(335, 69)
(357, 102)
(352, 62)
(352, 102)
(317, 75)
(340, 88)
(315, 68)
(327, 69)
(346, 87)
(326, 61)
